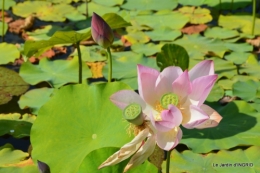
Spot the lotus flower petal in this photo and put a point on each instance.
(165, 79)
(101, 32)
(127, 150)
(146, 83)
(193, 117)
(142, 154)
(182, 86)
(214, 118)
(201, 88)
(203, 68)
(170, 119)
(170, 139)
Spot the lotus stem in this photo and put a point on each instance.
(232, 2)
(168, 161)
(80, 62)
(3, 18)
(253, 25)
(86, 9)
(110, 64)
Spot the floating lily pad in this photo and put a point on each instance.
(91, 53)
(146, 49)
(224, 68)
(215, 94)
(150, 5)
(237, 58)
(34, 99)
(163, 34)
(196, 15)
(11, 84)
(73, 131)
(57, 73)
(43, 10)
(241, 121)
(196, 44)
(8, 155)
(227, 4)
(239, 47)
(247, 90)
(240, 22)
(220, 33)
(239, 161)
(174, 20)
(16, 125)
(110, 2)
(172, 55)
(9, 53)
(8, 4)
(137, 37)
(192, 2)
(97, 8)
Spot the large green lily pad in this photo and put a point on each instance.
(97, 8)
(78, 122)
(11, 84)
(241, 22)
(9, 53)
(16, 125)
(221, 33)
(238, 127)
(196, 15)
(164, 20)
(197, 45)
(34, 99)
(239, 161)
(43, 10)
(8, 155)
(57, 73)
(150, 5)
(247, 90)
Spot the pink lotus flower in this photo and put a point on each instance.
(101, 32)
(167, 99)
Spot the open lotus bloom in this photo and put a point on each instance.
(179, 96)
(167, 100)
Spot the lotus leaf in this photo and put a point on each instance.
(8, 155)
(241, 121)
(150, 5)
(34, 99)
(73, 130)
(11, 84)
(163, 34)
(97, 8)
(9, 53)
(196, 15)
(220, 33)
(57, 73)
(223, 161)
(240, 22)
(43, 10)
(16, 125)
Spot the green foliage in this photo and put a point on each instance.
(34, 99)
(172, 55)
(247, 90)
(57, 73)
(11, 84)
(9, 53)
(80, 123)
(221, 33)
(16, 125)
(196, 16)
(97, 8)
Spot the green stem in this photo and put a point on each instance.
(86, 9)
(253, 25)
(3, 18)
(220, 6)
(110, 65)
(232, 2)
(168, 161)
(80, 62)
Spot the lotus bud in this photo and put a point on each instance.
(133, 114)
(102, 34)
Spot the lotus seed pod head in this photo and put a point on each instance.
(133, 114)
(169, 98)
(101, 32)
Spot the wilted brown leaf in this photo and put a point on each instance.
(194, 29)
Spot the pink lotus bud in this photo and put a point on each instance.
(102, 34)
